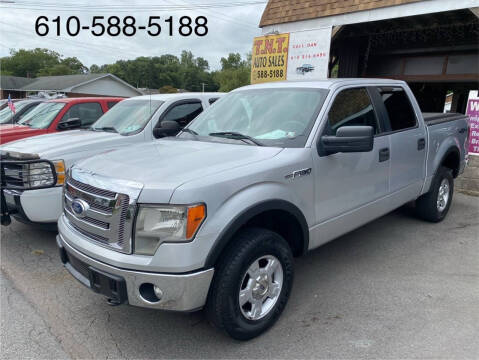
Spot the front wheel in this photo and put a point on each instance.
(252, 284)
(434, 205)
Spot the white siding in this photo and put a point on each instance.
(105, 86)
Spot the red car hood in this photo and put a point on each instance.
(9, 132)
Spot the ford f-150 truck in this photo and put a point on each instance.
(214, 216)
(57, 115)
(33, 169)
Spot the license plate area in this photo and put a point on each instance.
(109, 285)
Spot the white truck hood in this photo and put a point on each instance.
(163, 165)
(63, 144)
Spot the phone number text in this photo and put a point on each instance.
(127, 26)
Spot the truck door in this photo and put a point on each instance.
(408, 142)
(347, 181)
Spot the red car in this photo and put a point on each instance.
(58, 115)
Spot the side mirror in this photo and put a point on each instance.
(168, 128)
(348, 139)
(69, 124)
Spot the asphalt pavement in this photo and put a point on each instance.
(395, 288)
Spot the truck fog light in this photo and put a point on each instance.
(150, 293)
(158, 292)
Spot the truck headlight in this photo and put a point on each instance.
(40, 174)
(168, 223)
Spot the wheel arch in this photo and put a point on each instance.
(450, 159)
(255, 213)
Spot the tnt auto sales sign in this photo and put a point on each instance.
(269, 58)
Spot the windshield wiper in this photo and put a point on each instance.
(105, 128)
(235, 136)
(189, 131)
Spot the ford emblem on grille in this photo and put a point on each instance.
(80, 207)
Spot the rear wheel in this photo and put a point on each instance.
(252, 284)
(434, 205)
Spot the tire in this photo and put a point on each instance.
(427, 206)
(251, 246)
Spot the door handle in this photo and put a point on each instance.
(421, 144)
(384, 154)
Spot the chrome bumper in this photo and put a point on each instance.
(180, 292)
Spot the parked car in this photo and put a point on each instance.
(57, 115)
(305, 68)
(22, 108)
(132, 121)
(213, 217)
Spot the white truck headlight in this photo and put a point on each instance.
(41, 174)
(168, 223)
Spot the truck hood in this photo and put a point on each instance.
(8, 130)
(163, 165)
(51, 146)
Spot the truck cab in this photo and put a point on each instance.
(57, 115)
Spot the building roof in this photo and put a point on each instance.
(283, 11)
(62, 83)
(13, 82)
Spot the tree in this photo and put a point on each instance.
(39, 62)
(234, 72)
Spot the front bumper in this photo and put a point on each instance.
(36, 206)
(180, 292)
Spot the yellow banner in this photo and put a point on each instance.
(270, 58)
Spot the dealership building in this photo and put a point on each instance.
(431, 44)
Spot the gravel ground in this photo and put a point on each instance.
(395, 288)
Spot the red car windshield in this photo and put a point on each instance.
(42, 116)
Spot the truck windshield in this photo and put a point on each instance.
(272, 117)
(127, 117)
(42, 116)
(6, 114)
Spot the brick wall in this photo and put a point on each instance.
(468, 182)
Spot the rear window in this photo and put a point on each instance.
(400, 112)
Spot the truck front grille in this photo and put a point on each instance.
(108, 218)
(13, 173)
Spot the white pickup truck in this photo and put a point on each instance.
(214, 216)
(33, 170)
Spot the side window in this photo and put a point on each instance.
(184, 113)
(88, 113)
(212, 100)
(399, 108)
(352, 107)
(110, 104)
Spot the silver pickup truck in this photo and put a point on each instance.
(214, 216)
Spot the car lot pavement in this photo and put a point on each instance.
(395, 288)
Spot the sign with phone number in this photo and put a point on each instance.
(269, 58)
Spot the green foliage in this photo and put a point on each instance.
(234, 72)
(158, 72)
(167, 89)
(40, 62)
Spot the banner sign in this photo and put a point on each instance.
(269, 58)
(473, 112)
(308, 56)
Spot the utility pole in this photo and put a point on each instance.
(203, 87)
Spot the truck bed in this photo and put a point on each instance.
(438, 118)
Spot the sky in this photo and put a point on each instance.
(230, 28)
